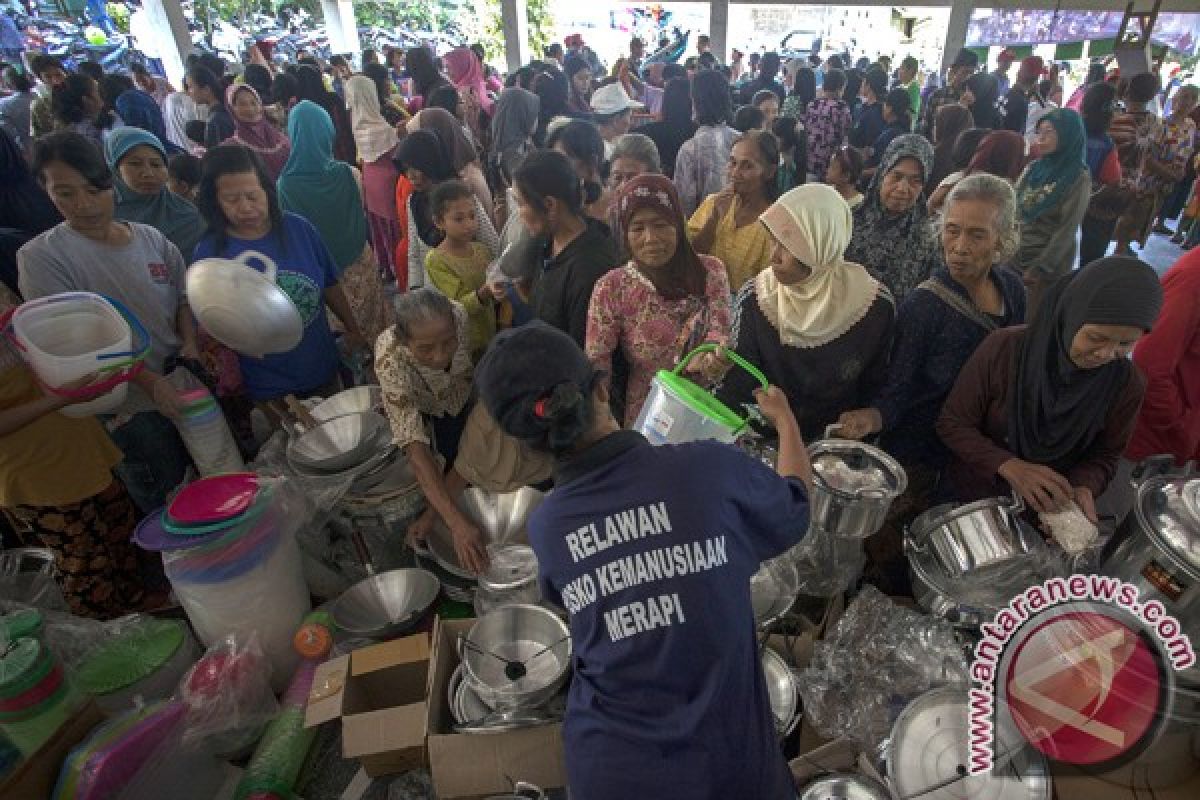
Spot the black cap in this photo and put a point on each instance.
(532, 377)
(966, 58)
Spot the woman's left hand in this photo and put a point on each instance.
(1086, 503)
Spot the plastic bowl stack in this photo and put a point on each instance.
(206, 434)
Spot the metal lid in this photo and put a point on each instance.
(1169, 511)
(844, 786)
(128, 658)
(927, 755)
(852, 468)
(510, 567)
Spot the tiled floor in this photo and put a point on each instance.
(1159, 252)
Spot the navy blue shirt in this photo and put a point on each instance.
(868, 127)
(305, 271)
(932, 343)
(651, 551)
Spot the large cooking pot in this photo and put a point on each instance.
(987, 535)
(1159, 550)
(853, 486)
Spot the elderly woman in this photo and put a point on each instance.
(938, 327)
(139, 163)
(1047, 409)
(664, 301)
(252, 129)
(1052, 197)
(312, 183)
(892, 237)
(818, 327)
(726, 224)
(633, 154)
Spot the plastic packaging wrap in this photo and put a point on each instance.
(27, 576)
(827, 565)
(878, 657)
(140, 661)
(251, 579)
(203, 428)
(228, 697)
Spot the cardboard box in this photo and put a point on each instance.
(379, 693)
(35, 777)
(474, 765)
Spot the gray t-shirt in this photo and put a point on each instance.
(146, 275)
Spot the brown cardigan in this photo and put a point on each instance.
(974, 423)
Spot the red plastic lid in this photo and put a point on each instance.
(215, 499)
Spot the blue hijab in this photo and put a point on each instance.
(167, 212)
(141, 111)
(1046, 181)
(321, 189)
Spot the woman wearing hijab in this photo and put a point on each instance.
(513, 125)
(422, 69)
(980, 99)
(466, 73)
(139, 164)
(311, 185)
(1047, 409)
(25, 209)
(376, 141)
(818, 326)
(892, 237)
(1001, 153)
(951, 120)
(253, 130)
(676, 125)
(424, 161)
(552, 89)
(1052, 197)
(464, 159)
(312, 87)
(661, 304)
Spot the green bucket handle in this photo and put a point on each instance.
(734, 357)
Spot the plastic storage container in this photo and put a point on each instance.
(68, 336)
(35, 696)
(141, 665)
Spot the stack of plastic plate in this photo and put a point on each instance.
(206, 434)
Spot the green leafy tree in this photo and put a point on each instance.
(540, 21)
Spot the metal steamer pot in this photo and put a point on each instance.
(850, 512)
(1159, 550)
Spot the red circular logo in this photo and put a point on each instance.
(1083, 687)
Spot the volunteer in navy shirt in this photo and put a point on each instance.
(651, 551)
(238, 201)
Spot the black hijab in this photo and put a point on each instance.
(1058, 409)
(424, 151)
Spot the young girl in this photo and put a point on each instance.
(845, 169)
(457, 267)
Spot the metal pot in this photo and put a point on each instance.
(511, 577)
(530, 635)
(773, 590)
(844, 786)
(1159, 550)
(842, 508)
(1169, 757)
(386, 605)
(984, 535)
(783, 692)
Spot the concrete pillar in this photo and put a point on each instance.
(342, 26)
(718, 29)
(172, 36)
(956, 31)
(514, 18)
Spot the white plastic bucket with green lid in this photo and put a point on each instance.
(677, 410)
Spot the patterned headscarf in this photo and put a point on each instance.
(896, 248)
(683, 275)
(260, 136)
(1045, 182)
(466, 73)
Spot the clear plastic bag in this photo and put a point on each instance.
(203, 428)
(827, 565)
(878, 657)
(228, 696)
(27, 577)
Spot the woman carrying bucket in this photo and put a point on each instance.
(136, 265)
(664, 301)
(818, 327)
(56, 482)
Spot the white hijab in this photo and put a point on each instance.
(374, 137)
(814, 223)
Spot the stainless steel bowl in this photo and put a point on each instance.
(782, 689)
(531, 635)
(844, 786)
(351, 401)
(241, 307)
(501, 518)
(340, 443)
(385, 605)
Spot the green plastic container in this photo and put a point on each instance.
(23, 624)
(28, 668)
(145, 662)
(678, 411)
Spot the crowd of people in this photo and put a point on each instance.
(513, 261)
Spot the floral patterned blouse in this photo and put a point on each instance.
(651, 331)
(828, 124)
(411, 390)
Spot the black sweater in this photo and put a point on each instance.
(563, 290)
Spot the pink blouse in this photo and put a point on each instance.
(627, 312)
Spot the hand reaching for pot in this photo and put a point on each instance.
(1044, 490)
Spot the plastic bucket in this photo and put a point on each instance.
(678, 411)
(68, 336)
